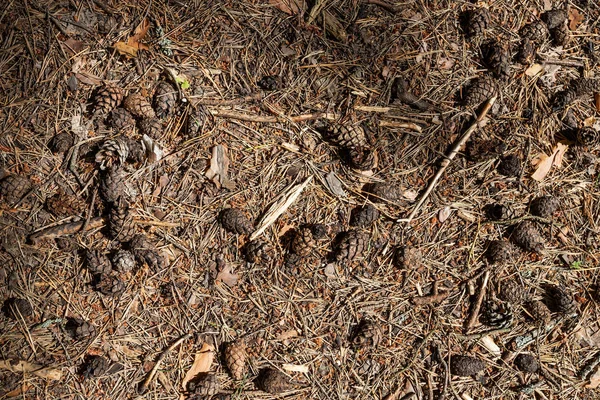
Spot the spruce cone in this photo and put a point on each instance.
(121, 120)
(123, 261)
(348, 136)
(198, 119)
(79, 329)
(63, 205)
(536, 31)
(269, 82)
(367, 335)
(510, 166)
(561, 301)
(258, 251)
(500, 251)
(480, 90)
(96, 367)
(107, 98)
(351, 245)
(273, 381)
(235, 359)
(109, 284)
(544, 206)
(562, 99)
(477, 22)
(15, 308)
(61, 143)
(381, 191)
(137, 153)
(363, 217)
(13, 188)
(497, 57)
(499, 212)
(588, 136)
(151, 127)
(496, 314)
(407, 257)
(539, 311)
(526, 363)
(526, 51)
(527, 236)
(138, 106)
(203, 387)
(112, 153)
(561, 35)
(360, 158)
(97, 262)
(576, 90)
(165, 99)
(465, 365)
(512, 292)
(303, 242)
(112, 185)
(146, 252)
(121, 226)
(234, 220)
(554, 18)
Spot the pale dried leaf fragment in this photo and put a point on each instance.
(219, 165)
(20, 366)
(164, 381)
(490, 345)
(289, 6)
(334, 184)
(594, 379)
(575, 18)
(227, 276)
(444, 214)
(202, 362)
(534, 70)
(544, 163)
(296, 368)
(153, 151)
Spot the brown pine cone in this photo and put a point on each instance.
(363, 217)
(146, 252)
(484, 149)
(544, 206)
(501, 251)
(303, 242)
(539, 311)
(497, 57)
(554, 18)
(512, 292)
(587, 136)
(97, 262)
(259, 251)
(199, 118)
(536, 31)
(138, 106)
(137, 153)
(273, 381)
(152, 127)
(235, 359)
(204, 386)
(15, 308)
(61, 143)
(269, 82)
(112, 153)
(13, 188)
(526, 363)
(499, 212)
(563, 98)
(347, 136)
(496, 314)
(109, 284)
(121, 226)
(123, 261)
(527, 236)
(63, 205)
(561, 35)
(360, 158)
(367, 335)
(477, 22)
(235, 220)
(79, 329)
(526, 51)
(121, 120)
(480, 90)
(165, 99)
(561, 301)
(107, 98)
(382, 191)
(408, 257)
(510, 166)
(112, 185)
(465, 365)
(352, 245)
(95, 367)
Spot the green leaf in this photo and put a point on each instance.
(182, 82)
(576, 265)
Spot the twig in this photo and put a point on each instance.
(434, 297)
(406, 125)
(144, 385)
(268, 119)
(446, 161)
(477, 336)
(90, 209)
(225, 102)
(65, 229)
(564, 63)
(477, 306)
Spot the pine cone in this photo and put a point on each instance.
(527, 236)
(112, 185)
(15, 308)
(112, 153)
(539, 311)
(360, 158)
(576, 89)
(96, 367)
(554, 18)
(561, 35)
(500, 252)
(480, 90)
(146, 252)
(63, 205)
(561, 301)
(198, 119)
(382, 191)
(408, 257)
(512, 292)
(165, 99)
(121, 120)
(363, 217)
(97, 262)
(303, 242)
(481, 149)
(544, 206)
(351, 245)
(496, 314)
(137, 153)
(138, 106)
(562, 99)
(107, 98)
(269, 82)
(80, 329)
(273, 381)
(123, 261)
(465, 365)
(203, 387)
(347, 136)
(510, 166)
(587, 136)
(235, 359)
(367, 335)
(319, 231)
(259, 251)
(121, 226)
(527, 51)
(61, 143)
(234, 220)
(13, 188)
(536, 31)
(497, 57)
(499, 212)
(109, 284)
(151, 127)
(477, 22)
(527, 363)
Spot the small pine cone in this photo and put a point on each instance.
(121, 226)
(146, 252)
(15, 308)
(151, 127)
(561, 301)
(586, 86)
(123, 261)
(107, 98)
(235, 221)
(291, 261)
(554, 18)
(536, 31)
(269, 82)
(511, 292)
(497, 57)
(539, 311)
(561, 35)
(235, 359)
(96, 367)
(137, 153)
(319, 231)
(500, 212)
(465, 365)
(13, 188)
(368, 335)
(480, 90)
(61, 143)
(562, 99)
(500, 251)
(112, 153)
(496, 314)
(382, 191)
(97, 262)
(527, 236)
(348, 136)
(408, 257)
(352, 245)
(165, 99)
(63, 205)
(198, 119)
(360, 158)
(477, 22)
(138, 106)
(587, 136)
(121, 120)
(526, 363)
(112, 185)
(527, 51)
(544, 206)
(203, 387)
(510, 166)
(363, 217)
(80, 329)
(109, 284)
(303, 242)
(273, 381)
(259, 251)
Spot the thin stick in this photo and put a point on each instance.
(225, 102)
(144, 386)
(269, 119)
(407, 125)
(446, 161)
(65, 229)
(477, 306)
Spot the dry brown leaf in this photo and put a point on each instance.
(219, 165)
(202, 362)
(125, 50)
(227, 276)
(575, 18)
(74, 46)
(288, 6)
(88, 79)
(138, 34)
(18, 391)
(164, 381)
(19, 366)
(544, 163)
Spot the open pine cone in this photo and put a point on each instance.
(165, 99)
(112, 153)
(13, 188)
(107, 98)
(121, 226)
(139, 106)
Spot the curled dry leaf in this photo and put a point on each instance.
(20, 366)
(202, 362)
(544, 163)
(219, 165)
(575, 18)
(227, 276)
(153, 150)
